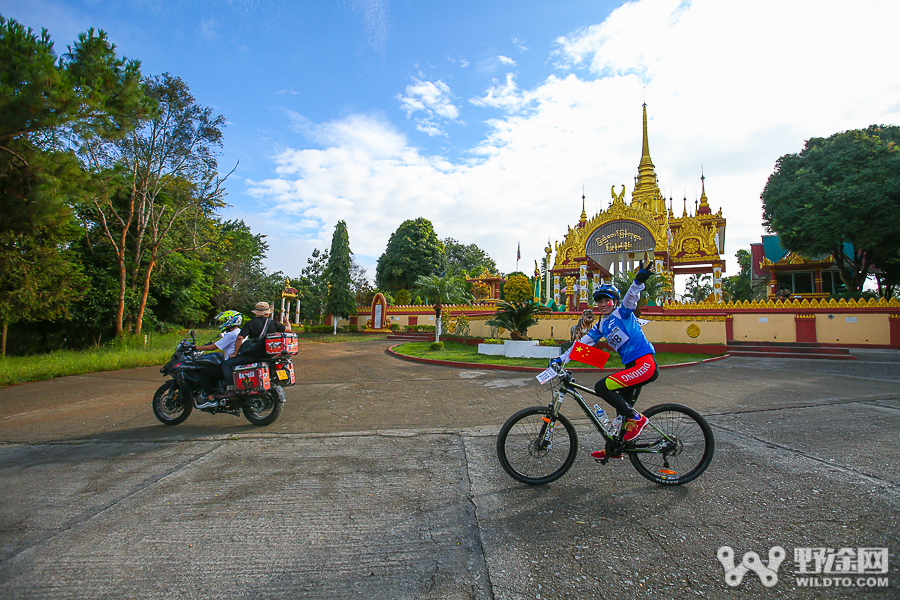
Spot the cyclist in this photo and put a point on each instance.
(229, 322)
(624, 335)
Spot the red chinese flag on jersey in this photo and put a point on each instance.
(589, 355)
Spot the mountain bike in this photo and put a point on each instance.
(538, 445)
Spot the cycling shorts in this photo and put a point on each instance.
(643, 370)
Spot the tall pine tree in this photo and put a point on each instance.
(341, 301)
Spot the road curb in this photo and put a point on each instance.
(446, 363)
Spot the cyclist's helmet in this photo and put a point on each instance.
(229, 319)
(606, 291)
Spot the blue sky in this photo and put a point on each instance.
(490, 118)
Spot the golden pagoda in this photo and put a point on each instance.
(616, 239)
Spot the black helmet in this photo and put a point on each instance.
(606, 291)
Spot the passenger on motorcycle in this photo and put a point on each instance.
(258, 326)
(229, 322)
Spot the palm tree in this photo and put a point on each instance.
(440, 290)
(517, 317)
(656, 288)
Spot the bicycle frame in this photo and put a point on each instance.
(567, 386)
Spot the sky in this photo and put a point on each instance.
(492, 119)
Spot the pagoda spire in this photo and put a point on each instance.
(583, 221)
(646, 188)
(704, 203)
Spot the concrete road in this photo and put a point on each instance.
(380, 480)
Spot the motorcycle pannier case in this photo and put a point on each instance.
(251, 378)
(282, 343)
(282, 373)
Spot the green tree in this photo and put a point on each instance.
(240, 276)
(466, 260)
(656, 289)
(313, 286)
(517, 317)
(340, 301)
(440, 290)
(738, 287)
(172, 182)
(698, 287)
(518, 289)
(839, 196)
(45, 102)
(413, 250)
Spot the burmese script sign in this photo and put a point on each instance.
(619, 236)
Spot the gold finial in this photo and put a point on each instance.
(583, 214)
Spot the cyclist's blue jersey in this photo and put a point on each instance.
(621, 329)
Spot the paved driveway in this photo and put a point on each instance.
(380, 480)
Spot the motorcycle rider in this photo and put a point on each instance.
(229, 322)
(253, 329)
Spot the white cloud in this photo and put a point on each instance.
(506, 61)
(730, 86)
(434, 99)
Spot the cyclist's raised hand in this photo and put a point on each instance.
(643, 274)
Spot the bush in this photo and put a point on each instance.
(462, 325)
(435, 346)
(548, 343)
(518, 289)
(395, 327)
(324, 329)
(493, 341)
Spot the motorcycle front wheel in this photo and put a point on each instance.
(263, 409)
(169, 406)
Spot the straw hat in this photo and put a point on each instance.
(262, 309)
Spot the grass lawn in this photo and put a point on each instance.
(455, 352)
(128, 352)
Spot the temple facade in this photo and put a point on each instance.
(615, 240)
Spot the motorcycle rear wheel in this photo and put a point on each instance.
(169, 406)
(264, 409)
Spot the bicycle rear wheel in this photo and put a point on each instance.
(676, 446)
(529, 454)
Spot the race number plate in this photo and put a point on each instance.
(546, 375)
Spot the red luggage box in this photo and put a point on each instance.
(251, 378)
(282, 343)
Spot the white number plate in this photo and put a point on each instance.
(545, 376)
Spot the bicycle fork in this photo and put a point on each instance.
(546, 435)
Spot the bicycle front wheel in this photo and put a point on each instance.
(532, 451)
(675, 447)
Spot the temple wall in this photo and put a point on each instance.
(848, 328)
(764, 327)
(867, 324)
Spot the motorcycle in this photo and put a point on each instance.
(257, 391)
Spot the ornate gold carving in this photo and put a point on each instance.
(693, 330)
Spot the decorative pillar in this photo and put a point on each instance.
(597, 283)
(582, 291)
(818, 281)
(894, 324)
(570, 296)
(718, 297)
(806, 328)
(556, 289)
